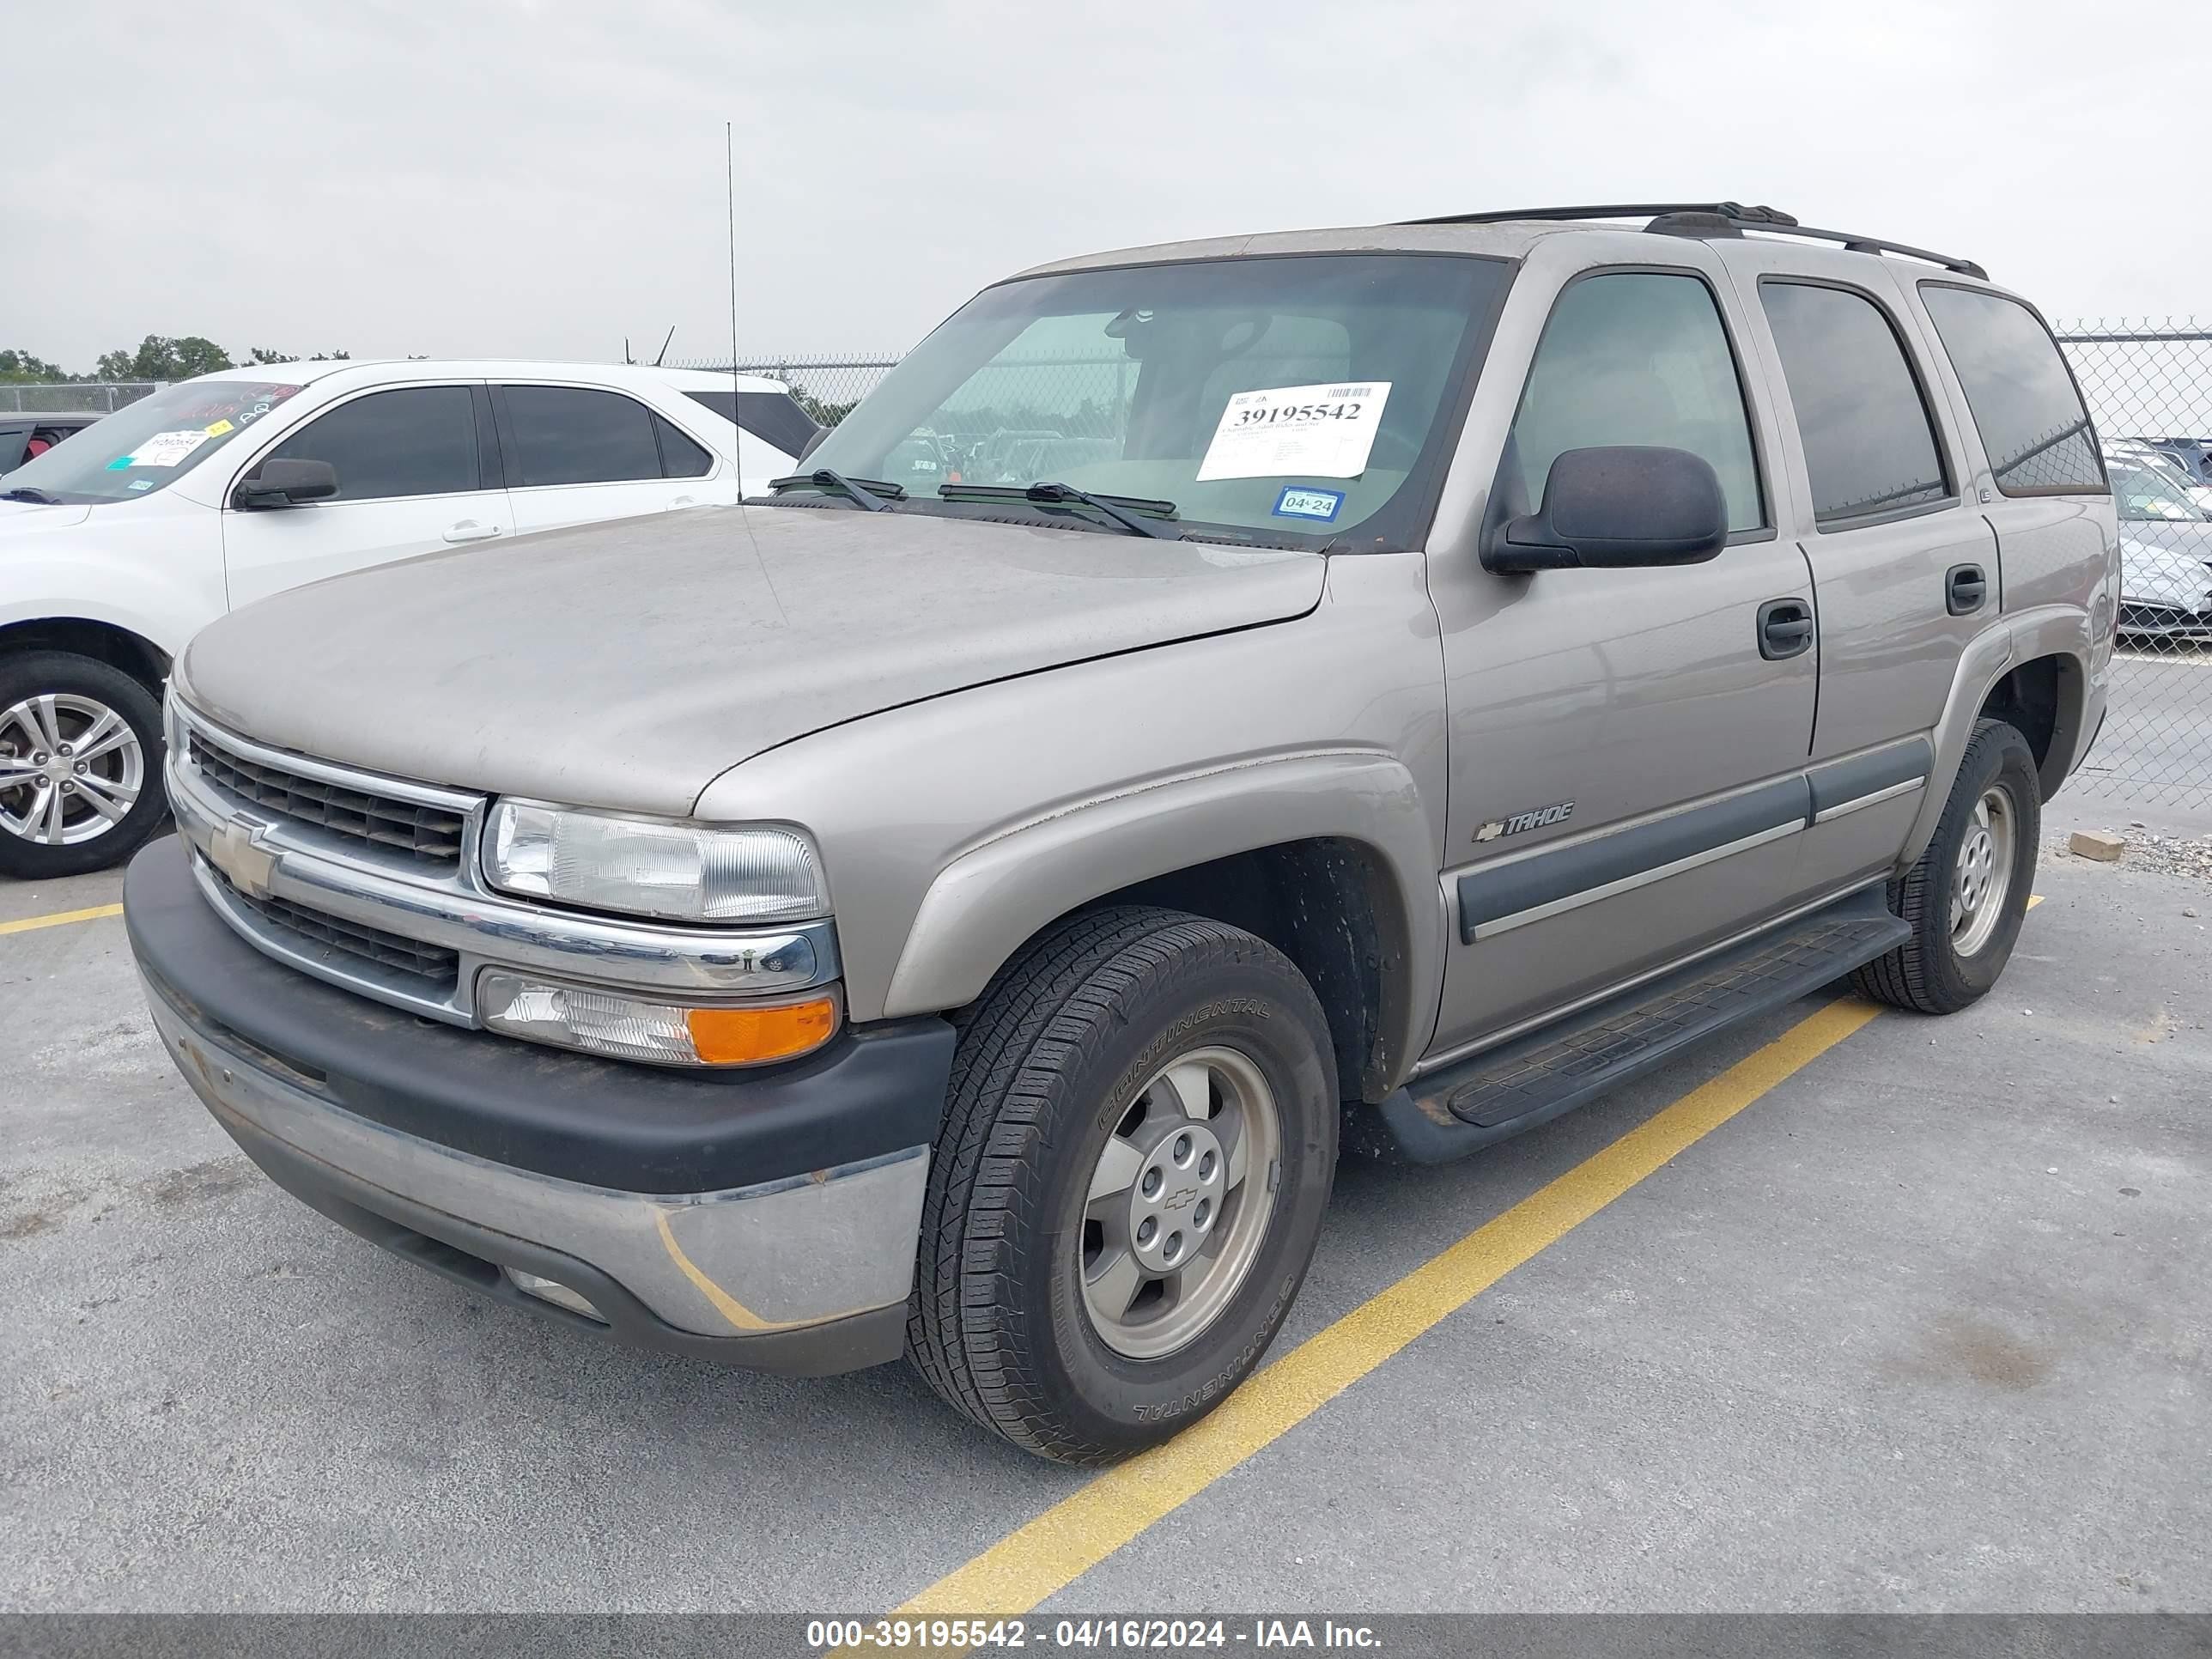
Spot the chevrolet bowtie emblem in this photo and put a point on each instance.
(236, 850)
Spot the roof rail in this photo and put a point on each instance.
(1715, 219)
(1735, 210)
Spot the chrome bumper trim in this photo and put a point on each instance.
(268, 856)
(748, 1260)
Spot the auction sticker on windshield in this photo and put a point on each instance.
(1317, 431)
(163, 449)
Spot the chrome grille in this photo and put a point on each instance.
(432, 963)
(431, 834)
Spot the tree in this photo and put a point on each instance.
(23, 369)
(160, 358)
(263, 355)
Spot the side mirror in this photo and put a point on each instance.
(814, 442)
(1623, 505)
(286, 484)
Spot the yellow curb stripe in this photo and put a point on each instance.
(1033, 1562)
(60, 919)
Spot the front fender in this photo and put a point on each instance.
(983, 904)
(165, 603)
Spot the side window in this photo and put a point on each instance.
(2025, 406)
(571, 434)
(411, 440)
(679, 457)
(1869, 446)
(1639, 358)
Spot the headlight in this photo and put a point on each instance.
(653, 866)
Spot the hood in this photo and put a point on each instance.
(627, 664)
(25, 518)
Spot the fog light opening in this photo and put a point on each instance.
(553, 1291)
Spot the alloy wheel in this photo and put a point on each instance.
(1180, 1197)
(71, 769)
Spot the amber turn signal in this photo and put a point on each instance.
(751, 1036)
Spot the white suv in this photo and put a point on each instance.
(118, 544)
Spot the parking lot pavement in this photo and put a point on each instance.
(1923, 1326)
(2160, 723)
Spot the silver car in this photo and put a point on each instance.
(1449, 668)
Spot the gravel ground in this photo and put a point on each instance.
(2150, 852)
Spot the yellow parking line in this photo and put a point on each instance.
(1075, 1535)
(60, 918)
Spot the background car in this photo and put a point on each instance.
(118, 544)
(26, 435)
(2166, 549)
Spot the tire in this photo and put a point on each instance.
(1055, 1059)
(1948, 964)
(44, 694)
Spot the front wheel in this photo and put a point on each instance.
(1138, 1146)
(80, 765)
(1966, 895)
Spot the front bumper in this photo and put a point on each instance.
(768, 1220)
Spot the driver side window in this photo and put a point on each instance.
(1639, 358)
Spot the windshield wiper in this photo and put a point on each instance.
(1116, 508)
(872, 494)
(27, 492)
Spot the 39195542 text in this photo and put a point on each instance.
(1125, 1633)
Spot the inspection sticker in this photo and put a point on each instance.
(163, 448)
(1321, 431)
(217, 428)
(1322, 505)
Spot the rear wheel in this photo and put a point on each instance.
(1966, 895)
(1139, 1144)
(79, 764)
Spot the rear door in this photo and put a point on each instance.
(1626, 755)
(1905, 568)
(414, 477)
(579, 454)
(2039, 480)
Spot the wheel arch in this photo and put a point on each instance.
(104, 642)
(1327, 855)
(2037, 666)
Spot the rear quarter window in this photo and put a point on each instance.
(2024, 402)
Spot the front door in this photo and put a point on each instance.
(409, 481)
(1627, 747)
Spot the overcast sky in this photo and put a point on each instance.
(541, 178)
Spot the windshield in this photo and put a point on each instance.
(1299, 400)
(2147, 492)
(150, 443)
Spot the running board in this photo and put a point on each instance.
(1534, 1079)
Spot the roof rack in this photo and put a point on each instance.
(1712, 219)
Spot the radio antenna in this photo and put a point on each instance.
(730, 203)
(661, 356)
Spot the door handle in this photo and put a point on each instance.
(468, 530)
(1785, 627)
(1965, 587)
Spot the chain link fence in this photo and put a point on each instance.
(2149, 388)
(2149, 392)
(73, 397)
(828, 386)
